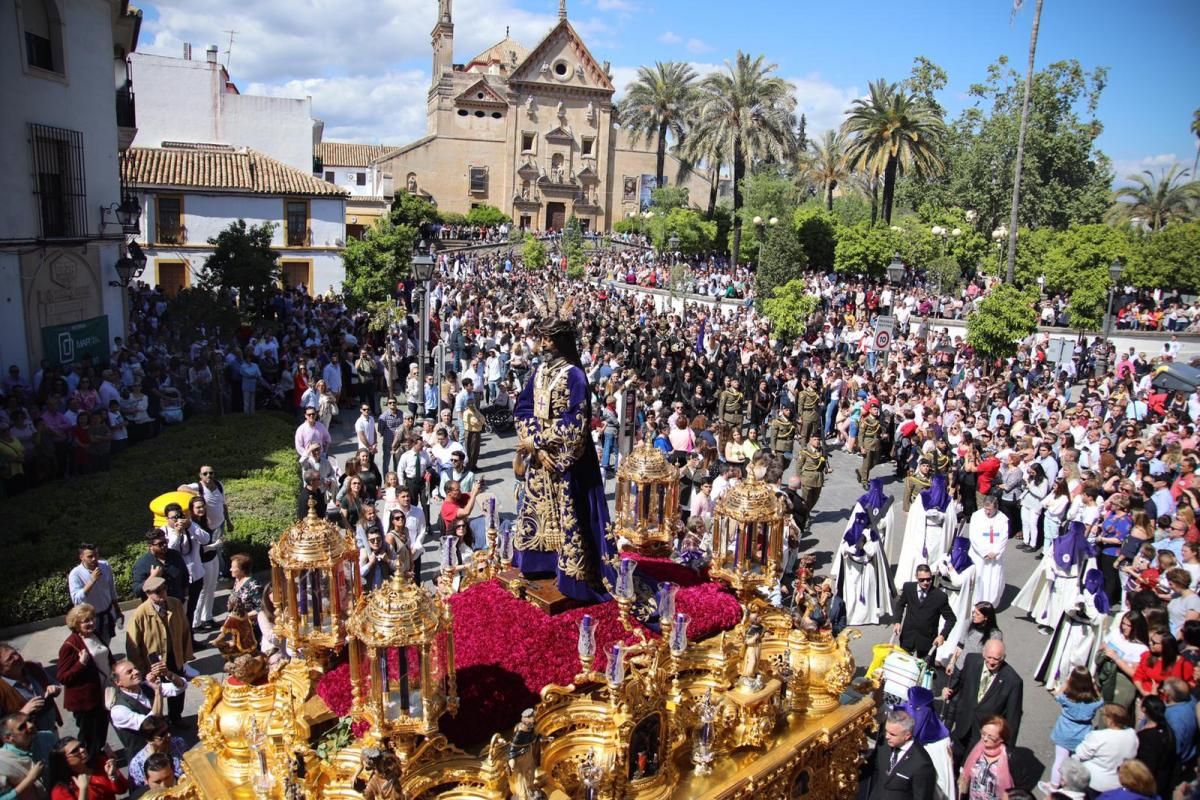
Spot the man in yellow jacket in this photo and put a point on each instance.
(158, 631)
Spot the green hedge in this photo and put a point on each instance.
(253, 457)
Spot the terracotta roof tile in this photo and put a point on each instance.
(220, 167)
(348, 154)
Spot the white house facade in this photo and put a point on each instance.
(67, 115)
(190, 100)
(357, 169)
(190, 193)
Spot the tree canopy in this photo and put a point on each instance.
(243, 260)
(1004, 317)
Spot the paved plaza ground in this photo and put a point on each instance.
(1024, 642)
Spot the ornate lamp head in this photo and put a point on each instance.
(748, 537)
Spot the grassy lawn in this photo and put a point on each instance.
(253, 457)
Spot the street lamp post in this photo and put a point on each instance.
(998, 236)
(423, 264)
(1114, 273)
(758, 225)
(895, 270)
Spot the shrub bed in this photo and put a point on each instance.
(253, 458)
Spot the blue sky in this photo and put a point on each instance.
(366, 62)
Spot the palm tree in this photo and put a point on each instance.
(1196, 133)
(1016, 198)
(826, 163)
(658, 104)
(1156, 200)
(894, 132)
(748, 111)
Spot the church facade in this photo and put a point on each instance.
(531, 132)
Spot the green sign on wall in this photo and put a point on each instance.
(65, 344)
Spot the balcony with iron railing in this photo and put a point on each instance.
(126, 116)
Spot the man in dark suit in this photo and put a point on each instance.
(919, 607)
(902, 768)
(985, 686)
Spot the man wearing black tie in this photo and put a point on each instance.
(986, 686)
(920, 606)
(902, 768)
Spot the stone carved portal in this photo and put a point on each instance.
(62, 286)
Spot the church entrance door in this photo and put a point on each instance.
(556, 216)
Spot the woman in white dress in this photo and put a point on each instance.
(1035, 491)
(1054, 512)
(1075, 639)
(866, 598)
(1054, 585)
(928, 531)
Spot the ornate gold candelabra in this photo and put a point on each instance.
(748, 538)
(314, 581)
(647, 504)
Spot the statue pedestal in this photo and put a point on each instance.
(542, 592)
(754, 713)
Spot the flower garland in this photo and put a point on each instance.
(507, 650)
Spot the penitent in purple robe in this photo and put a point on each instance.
(562, 520)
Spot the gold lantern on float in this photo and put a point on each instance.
(402, 661)
(647, 500)
(748, 537)
(314, 580)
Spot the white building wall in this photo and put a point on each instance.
(83, 99)
(182, 100)
(206, 215)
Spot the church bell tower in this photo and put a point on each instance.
(443, 41)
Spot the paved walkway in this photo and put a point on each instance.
(1025, 644)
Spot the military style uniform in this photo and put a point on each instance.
(942, 463)
(808, 401)
(781, 434)
(916, 482)
(811, 467)
(731, 410)
(870, 435)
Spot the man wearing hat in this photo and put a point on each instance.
(808, 401)
(781, 435)
(811, 468)
(917, 481)
(158, 633)
(870, 438)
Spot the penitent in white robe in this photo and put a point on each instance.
(1074, 644)
(866, 597)
(925, 540)
(989, 537)
(960, 591)
(1049, 592)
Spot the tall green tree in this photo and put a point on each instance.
(894, 131)
(864, 250)
(1014, 217)
(817, 231)
(1169, 258)
(1156, 200)
(486, 215)
(415, 212)
(827, 164)
(657, 104)
(533, 253)
(1003, 318)
(1065, 178)
(749, 109)
(243, 260)
(789, 308)
(1196, 133)
(378, 262)
(781, 260)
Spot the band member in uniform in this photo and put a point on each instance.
(781, 435)
(917, 482)
(812, 467)
(731, 410)
(808, 401)
(870, 436)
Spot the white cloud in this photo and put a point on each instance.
(375, 109)
(621, 78)
(695, 45)
(1156, 164)
(669, 37)
(824, 104)
(367, 81)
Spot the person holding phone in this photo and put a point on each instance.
(158, 632)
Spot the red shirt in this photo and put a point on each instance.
(450, 513)
(985, 474)
(1145, 673)
(99, 786)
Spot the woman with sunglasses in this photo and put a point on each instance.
(77, 775)
(158, 740)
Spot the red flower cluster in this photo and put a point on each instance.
(666, 569)
(507, 650)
